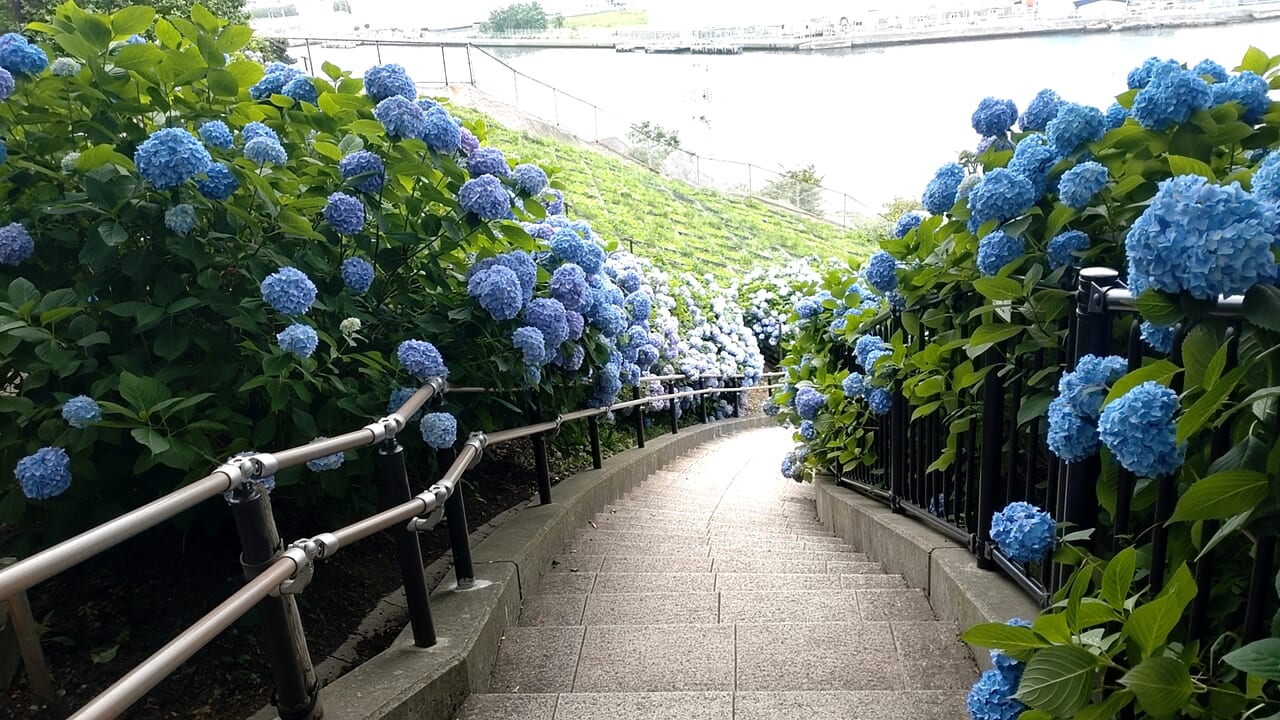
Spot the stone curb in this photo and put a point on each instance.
(945, 570)
(406, 682)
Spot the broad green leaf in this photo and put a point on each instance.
(1261, 658)
(1222, 495)
(1160, 371)
(1118, 577)
(1159, 308)
(141, 57)
(1262, 306)
(1150, 624)
(988, 335)
(1003, 637)
(223, 83)
(1109, 709)
(998, 288)
(133, 20)
(156, 442)
(1059, 680)
(1208, 404)
(930, 386)
(142, 393)
(1161, 684)
(1228, 528)
(1181, 165)
(1255, 61)
(233, 37)
(201, 16)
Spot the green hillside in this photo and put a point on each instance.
(678, 226)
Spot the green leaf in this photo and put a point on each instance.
(1262, 306)
(1003, 637)
(930, 386)
(167, 34)
(1159, 308)
(133, 20)
(1118, 577)
(1149, 625)
(1209, 403)
(95, 30)
(1160, 371)
(223, 83)
(201, 16)
(1228, 528)
(1255, 61)
(156, 442)
(234, 37)
(1261, 658)
(1058, 219)
(1181, 165)
(142, 393)
(1059, 680)
(1109, 709)
(988, 335)
(998, 288)
(1161, 684)
(1222, 495)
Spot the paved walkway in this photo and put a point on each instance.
(712, 593)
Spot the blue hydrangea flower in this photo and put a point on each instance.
(171, 157)
(526, 270)
(991, 698)
(531, 344)
(940, 193)
(576, 324)
(1023, 531)
(289, 291)
(1064, 245)
(554, 206)
(997, 250)
(808, 430)
(897, 301)
(384, 81)
(1138, 428)
(439, 430)
(1085, 387)
(7, 84)
(16, 244)
(1248, 89)
(328, 462)
(263, 150)
(906, 223)
(606, 386)
(1043, 108)
(399, 397)
(646, 356)
(273, 81)
(180, 218)
(808, 402)
(1170, 98)
(868, 349)
(1080, 184)
(486, 197)
(879, 400)
(298, 339)
(994, 117)
(570, 357)
(255, 130)
(1266, 179)
(498, 291)
(345, 213)
(994, 144)
(808, 308)
(1033, 159)
(81, 411)
(1071, 437)
(439, 131)
(639, 305)
(44, 474)
(1204, 239)
(301, 89)
(1213, 70)
(569, 285)
(64, 67)
(1157, 338)
(882, 271)
(1140, 76)
(1075, 126)
(401, 118)
(770, 408)
(467, 141)
(357, 274)
(1116, 115)
(530, 179)
(488, 161)
(20, 57)
(548, 316)
(364, 170)
(1002, 195)
(215, 133)
(218, 182)
(854, 385)
(421, 359)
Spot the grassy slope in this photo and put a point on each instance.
(678, 226)
(608, 19)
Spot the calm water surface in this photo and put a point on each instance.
(876, 123)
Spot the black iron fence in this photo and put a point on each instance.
(276, 573)
(999, 455)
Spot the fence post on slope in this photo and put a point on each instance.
(455, 515)
(990, 481)
(637, 416)
(395, 490)
(471, 71)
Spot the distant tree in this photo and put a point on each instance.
(520, 16)
(557, 21)
(652, 144)
(342, 6)
(899, 207)
(801, 187)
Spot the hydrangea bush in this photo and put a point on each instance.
(1177, 187)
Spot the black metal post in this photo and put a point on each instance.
(593, 430)
(737, 398)
(673, 410)
(540, 465)
(455, 515)
(1260, 584)
(989, 480)
(897, 450)
(637, 417)
(297, 691)
(395, 491)
(702, 400)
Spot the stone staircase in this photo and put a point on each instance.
(712, 592)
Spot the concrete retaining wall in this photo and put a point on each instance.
(944, 569)
(406, 682)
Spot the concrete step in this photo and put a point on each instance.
(814, 533)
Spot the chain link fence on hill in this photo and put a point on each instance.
(434, 64)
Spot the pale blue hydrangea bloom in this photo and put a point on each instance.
(439, 430)
(940, 193)
(991, 698)
(215, 133)
(1042, 109)
(1157, 338)
(808, 402)
(1079, 185)
(289, 291)
(1071, 437)
(1085, 387)
(997, 250)
(218, 183)
(488, 161)
(486, 197)
(994, 117)
(44, 474)
(301, 89)
(1116, 115)
(16, 244)
(298, 339)
(530, 179)
(1171, 96)
(81, 411)
(401, 118)
(1074, 126)
(364, 170)
(1002, 195)
(171, 157)
(440, 132)
(344, 213)
(180, 218)
(255, 130)
(882, 271)
(384, 81)
(868, 349)
(421, 359)
(64, 67)
(879, 400)
(854, 386)
(20, 57)
(328, 462)
(906, 223)
(357, 274)
(569, 285)
(1024, 532)
(1064, 245)
(548, 316)
(263, 150)
(1139, 430)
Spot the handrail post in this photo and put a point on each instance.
(989, 479)
(297, 690)
(637, 416)
(897, 450)
(540, 465)
(395, 491)
(27, 633)
(593, 431)
(737, 398)
(455, 515)
(673, 410)
(702, 399)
